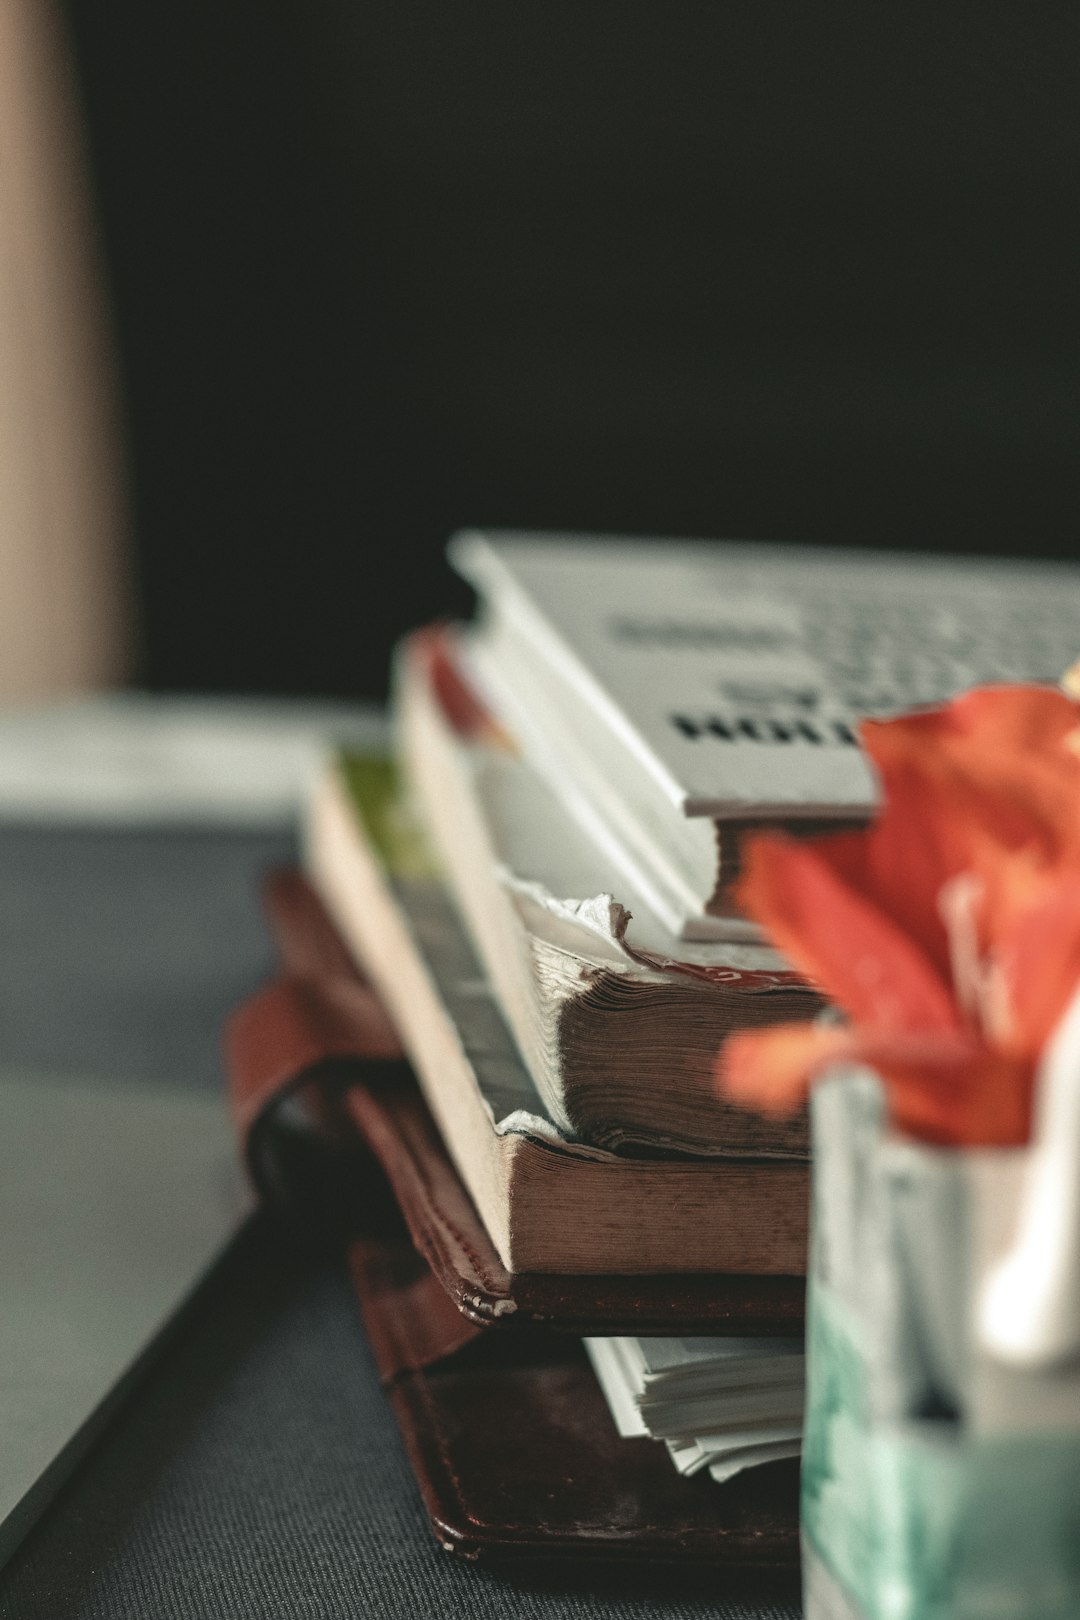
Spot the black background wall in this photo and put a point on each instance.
(387, 266)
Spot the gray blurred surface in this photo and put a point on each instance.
(116, 1199)
(255, 1473)
(122, 951)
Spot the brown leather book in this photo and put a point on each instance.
(319, 1082)
(507, 1431)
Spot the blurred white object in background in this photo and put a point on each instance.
(63, 598)
(137, 759)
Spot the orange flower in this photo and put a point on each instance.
(948, 931)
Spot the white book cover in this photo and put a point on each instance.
(732, 675)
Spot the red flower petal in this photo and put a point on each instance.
(1013, 748)
(1038, 957)
(949, 930)
(950, 1089)
(977, 1098)
(771, 1069)
(815, 914)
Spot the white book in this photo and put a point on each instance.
(680, 692)
(717, 1403)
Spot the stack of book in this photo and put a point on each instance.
(531, 896)
(539, 884)
(545, 1003)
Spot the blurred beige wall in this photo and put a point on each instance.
(64, 602)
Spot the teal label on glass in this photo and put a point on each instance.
(922, 1519)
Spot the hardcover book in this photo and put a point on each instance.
(618, 1021)
(678, 694)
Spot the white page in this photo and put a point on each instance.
(661, 1357)
(618, 1389)
(727, 1466)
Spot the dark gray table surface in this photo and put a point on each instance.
(255, 1473)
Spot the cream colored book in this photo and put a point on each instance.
(618, 1021)
(550, 1202)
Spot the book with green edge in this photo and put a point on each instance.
(550, 1202)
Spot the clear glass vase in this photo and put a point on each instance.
(938, 1482)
